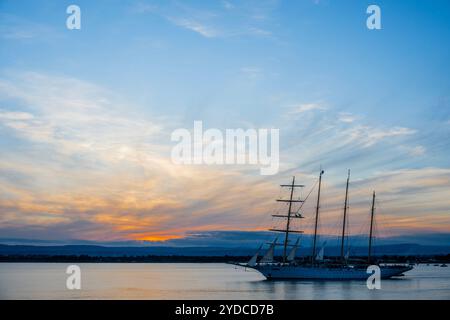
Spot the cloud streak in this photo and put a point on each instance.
(203, 30)
(89, 167)
(90, 160)
(247, 20)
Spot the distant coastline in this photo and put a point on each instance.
(194, 259)
(405, 249)
(406, 252)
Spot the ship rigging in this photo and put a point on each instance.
(316, 267)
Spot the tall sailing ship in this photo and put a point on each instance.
(315, 266)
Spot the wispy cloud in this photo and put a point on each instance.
(417, 151)
(202, 29)
(112, 168)
(252, 73)
(70, 115)
(305, 107)
(15, 116)
(347, 117)
(227, 5)
(224, 21)
(143, 7)
(15, 28)
(370, 135)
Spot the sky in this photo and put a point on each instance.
(86, 115)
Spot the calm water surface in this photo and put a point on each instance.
(202, 281)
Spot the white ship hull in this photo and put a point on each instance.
(274, 271)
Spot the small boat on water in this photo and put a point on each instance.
(444, 265)
(315, 267)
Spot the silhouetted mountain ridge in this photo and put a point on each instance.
(92, 250)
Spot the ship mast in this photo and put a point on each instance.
(345, 217)
(288, 220)
(371, 226)
(289, 215)
(313, 256)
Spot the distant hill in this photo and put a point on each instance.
(90, 250)
(220, 243)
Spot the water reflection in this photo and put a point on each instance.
(203, 281)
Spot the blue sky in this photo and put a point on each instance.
(86, 115)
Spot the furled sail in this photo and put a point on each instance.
(347, 255)
(293, 252)
(268, 257)
(252, 261)
(319, 256)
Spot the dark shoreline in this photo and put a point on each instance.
(436, 259)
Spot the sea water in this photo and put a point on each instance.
(203, 281)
